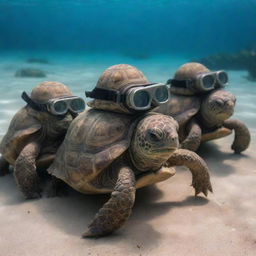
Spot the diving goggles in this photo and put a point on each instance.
(57, 106)
(203, 81)
(136, 97)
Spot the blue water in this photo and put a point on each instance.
(179, 27)
(81, 38)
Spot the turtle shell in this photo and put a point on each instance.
(21, 128)
(93, 141)
(181, 108)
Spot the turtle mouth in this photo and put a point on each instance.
(164, 150)
(224, 114)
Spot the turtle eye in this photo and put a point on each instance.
(219, 103)
(155, 135)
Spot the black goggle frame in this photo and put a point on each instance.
(125, 96)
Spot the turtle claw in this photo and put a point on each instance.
(205, 192)
(210, 188)
(201, 186)
(197, 191)
(88, 234)
(94, 233)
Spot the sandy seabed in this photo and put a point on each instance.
(167, 219)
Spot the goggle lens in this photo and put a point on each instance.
(77, 105)
(161, 94)
(141, 99)
(208, 81)
(223, 77)
(60, 107)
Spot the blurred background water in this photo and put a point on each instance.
(184, 28)
(80, 38)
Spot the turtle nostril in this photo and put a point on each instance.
(229, 103)
(174, 140)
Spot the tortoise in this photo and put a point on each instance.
(110, 149)
(107, 152)
(203, 116)
(33, 137)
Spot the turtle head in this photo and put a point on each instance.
(154, 140)
(42, 93)
(216, 107)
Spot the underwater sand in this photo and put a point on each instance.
(167, 219)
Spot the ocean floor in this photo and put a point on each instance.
(167, 219)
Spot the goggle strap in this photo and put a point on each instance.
(32, 104)
(179, 83)
(105, 94)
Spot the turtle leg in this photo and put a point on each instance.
(116, 211)
(4, 166)
(242, 135)
(25, 171)
(200, 173)
(193, 139)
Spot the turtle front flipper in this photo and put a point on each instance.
(25, 171)
(200, 174)
(117, 210)
(242, 135)
(4, 166)
(193, 139)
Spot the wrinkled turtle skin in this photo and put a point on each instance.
(107, 152)
(32, 139)
(204, 117)
(117, 77)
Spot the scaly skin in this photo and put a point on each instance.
(4, 166)
(25, 171)
(242, 135)
(200, 173)
(117, 210)
(193, 139)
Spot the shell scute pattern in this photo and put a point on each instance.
(21, 128)
(118, 76)
(94, 139)
(103, 132)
